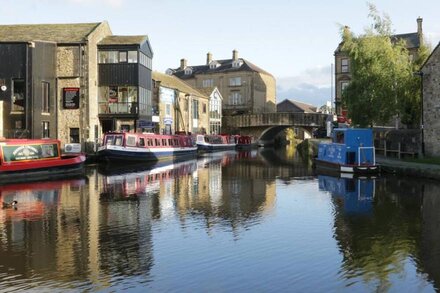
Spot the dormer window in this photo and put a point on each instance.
(169, 71)
(188, 71)
(237, 63)
(214, 65)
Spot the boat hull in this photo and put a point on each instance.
(131, 154)
(72, 165)
(345, 168)
(214, 147)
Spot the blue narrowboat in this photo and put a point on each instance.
(350, 151)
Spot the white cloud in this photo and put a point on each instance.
(312, 86)
(111, 3)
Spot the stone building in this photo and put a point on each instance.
(245, 87)
(430, 76)
(50, 82)
(295, 106)
(181, 107)
(343, 67)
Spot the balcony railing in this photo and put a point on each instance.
(118, 108)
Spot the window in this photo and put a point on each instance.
(132, 57)
(237, 63)
(122, 57)
(18, 90)
(235, 98)
(344, 85)
(168, 109)
(131, 140)
(204, 107)
(141, 142)
(74, 135)
(45, 97)
(208, 83)
(188, 71)
(214, 65)
(195, 107)
(344, 65)
(164, 142)
(45, 129)
(118, 140)
(235, 81)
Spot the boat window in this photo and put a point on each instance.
(176, 141)
(157, 142)
(118, 140)
(109, 140)
(170, 141)
(339, 137)
(164, 142)
(131, 140)
(150, 142)
(141, 142)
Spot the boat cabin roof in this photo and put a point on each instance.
(353, 136)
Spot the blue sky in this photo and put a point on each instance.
(293, 40)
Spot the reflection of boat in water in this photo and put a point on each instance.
(33, 197)
(357, 194)
(144, 180)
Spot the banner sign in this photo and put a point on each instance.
(71, 98)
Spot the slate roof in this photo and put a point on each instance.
(58, 33)
(123, 40)
(307, 108)
(173, 82)
(225, 66)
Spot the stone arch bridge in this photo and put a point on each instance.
(265, 126)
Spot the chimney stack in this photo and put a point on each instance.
(208, 58)
(182, 64)
(419, 29)
(235, 55)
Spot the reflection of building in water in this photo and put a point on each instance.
(430, 234)
(376, 239)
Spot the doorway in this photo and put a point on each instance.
(107, 125)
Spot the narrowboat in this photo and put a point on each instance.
(244, 141)
(351, 150)
(36, 159)
(213, 142)
(144, 147)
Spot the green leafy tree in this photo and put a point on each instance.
(383, 83)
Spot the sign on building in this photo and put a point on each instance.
(71, 98)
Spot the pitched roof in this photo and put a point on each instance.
(58, 33)
(225, 66)
(123, 40)
(412, 40)
(308, 108)
(173, 82)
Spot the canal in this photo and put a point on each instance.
(230, 221)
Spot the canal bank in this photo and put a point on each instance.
(309, 148)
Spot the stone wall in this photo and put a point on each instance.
(431, 103)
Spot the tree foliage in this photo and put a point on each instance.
(383, 82)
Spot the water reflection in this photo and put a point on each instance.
(216, 220)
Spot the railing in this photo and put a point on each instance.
(366, 148)
(118, 108)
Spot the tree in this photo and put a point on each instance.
(383, 83)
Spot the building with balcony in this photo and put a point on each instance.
(343, 67)
(125, 84)
(54, 82)
(182, 108)
(245, 87)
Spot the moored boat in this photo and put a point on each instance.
(350, 151)
(206, 142)
(36, 159)
(144, 147)
(244, 141)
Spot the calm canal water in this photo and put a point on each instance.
(226, 222)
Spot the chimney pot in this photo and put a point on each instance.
(182, 64)
(235, 55)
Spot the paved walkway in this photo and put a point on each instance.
(396, 166)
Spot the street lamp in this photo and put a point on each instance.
(420, 74)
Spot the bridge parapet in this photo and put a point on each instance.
(275, 119)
